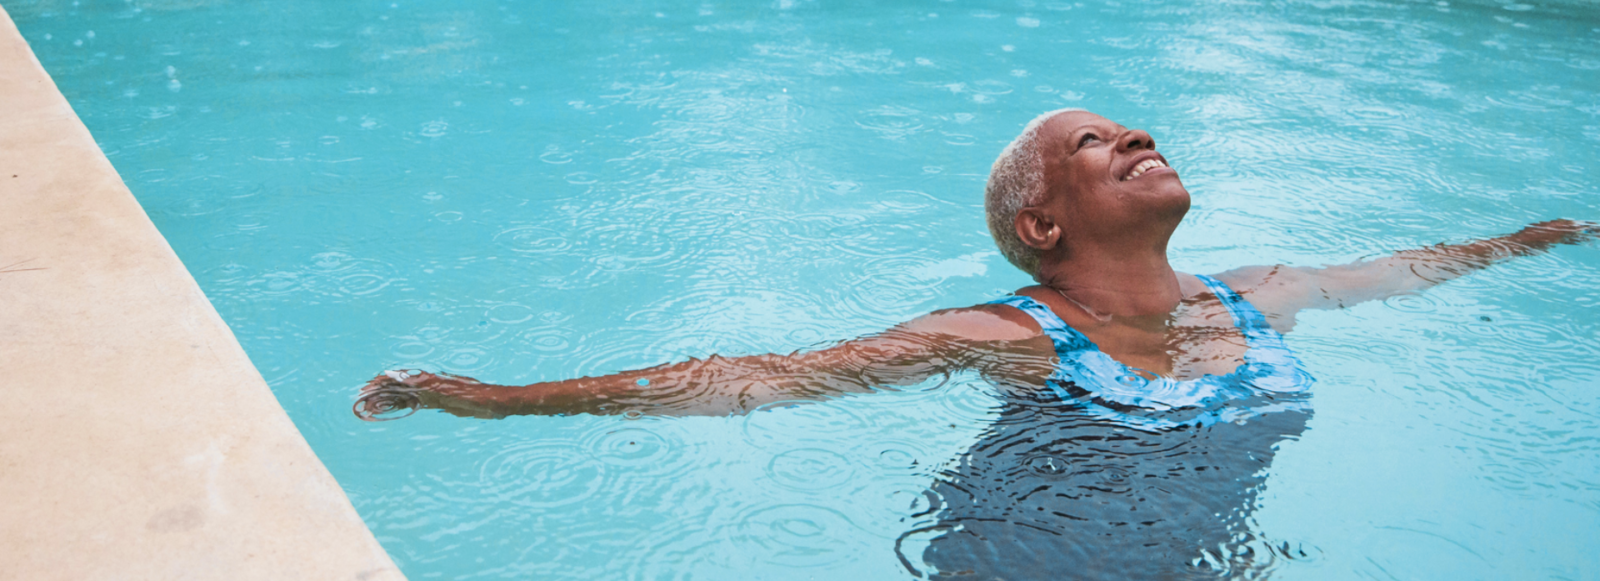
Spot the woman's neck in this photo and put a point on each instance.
(1107, 285)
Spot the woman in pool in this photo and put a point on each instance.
(1142, 402)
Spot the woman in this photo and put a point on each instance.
(1143, 402)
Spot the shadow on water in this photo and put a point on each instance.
(1052, 492)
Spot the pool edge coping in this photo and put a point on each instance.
(138, 440)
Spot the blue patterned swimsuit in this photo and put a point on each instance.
(1107, 389)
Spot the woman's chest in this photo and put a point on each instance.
(1197, 341)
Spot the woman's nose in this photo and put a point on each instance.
(1136, 139)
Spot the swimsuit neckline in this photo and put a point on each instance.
(1217, 288)
(1086, 374)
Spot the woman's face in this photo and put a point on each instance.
(1106, 181)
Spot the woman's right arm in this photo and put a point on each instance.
(938, 343)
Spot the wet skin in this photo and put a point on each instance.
(1103, 269)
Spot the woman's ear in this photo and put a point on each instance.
(1036, 230)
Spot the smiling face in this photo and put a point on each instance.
(1105, 182)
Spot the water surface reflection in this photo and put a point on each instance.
(1051, 492)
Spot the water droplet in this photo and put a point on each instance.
(1046, 465)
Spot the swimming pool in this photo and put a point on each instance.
(525, 191)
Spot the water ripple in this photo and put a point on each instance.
(795, 535)
(637, 446)
(784, 425)
(533, 239)
(810, 469)
(540, 475)
(891, 122)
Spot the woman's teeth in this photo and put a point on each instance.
(1144, 166)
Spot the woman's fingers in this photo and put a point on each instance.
(395, 377)
(377, 383)
(1562, 231)
(391, 395)
(385, 403)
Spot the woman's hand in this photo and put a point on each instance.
(393, 392)
(1551, 232)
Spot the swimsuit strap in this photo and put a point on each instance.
(1066, 338)
(1250, 321)
(1269, 362)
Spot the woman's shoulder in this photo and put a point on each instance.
(982, 322)
(1277, 291)
(1277, 278)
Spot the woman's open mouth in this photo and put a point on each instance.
(1144, 166)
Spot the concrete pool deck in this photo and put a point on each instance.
(136, 439)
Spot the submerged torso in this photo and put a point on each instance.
(1110, 474)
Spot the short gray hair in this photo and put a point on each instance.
(1015, 182)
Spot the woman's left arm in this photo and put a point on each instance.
(1282, 291)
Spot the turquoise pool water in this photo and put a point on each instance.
(520, 191)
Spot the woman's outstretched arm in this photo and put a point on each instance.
(938, 343)
(1281, 291)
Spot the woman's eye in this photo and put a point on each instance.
(1087, 137)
